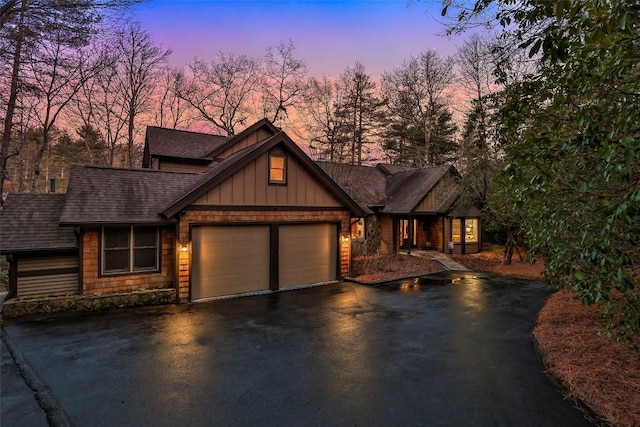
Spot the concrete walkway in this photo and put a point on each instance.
(443, 259)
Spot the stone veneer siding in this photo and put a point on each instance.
(283, 216)
(92, 283)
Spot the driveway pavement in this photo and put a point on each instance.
(421, 352)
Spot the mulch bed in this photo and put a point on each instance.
(490, 260)
(593, 370)
(376, 268)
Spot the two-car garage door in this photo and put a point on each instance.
(239, 258)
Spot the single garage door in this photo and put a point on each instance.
(308, 253)
(229, 260)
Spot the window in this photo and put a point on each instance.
(357, 229)
(471, 230)
(129, 249)
(455, 230)
(277, 167)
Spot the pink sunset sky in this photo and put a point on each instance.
(328, 35)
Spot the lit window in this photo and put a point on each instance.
(471, 230)
(129, 249)
(357, 229)
(455, 231)
(277, 168)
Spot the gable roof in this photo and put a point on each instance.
(100, 195)
(365, 184)
(264, 123)
(390, 169)
(29, 222)
(181, 144)
(240, 159)
(406, 189)
(395, 189)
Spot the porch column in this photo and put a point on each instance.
(410, 233)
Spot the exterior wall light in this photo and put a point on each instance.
(345, 238)
(184, 247)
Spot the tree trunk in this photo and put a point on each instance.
(508, 248)
(37, 162)
(11, 104)
(130, 137)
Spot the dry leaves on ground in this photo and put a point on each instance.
(375, 268)
(490, 260)
(597, 371)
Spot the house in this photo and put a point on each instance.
(251, 213)
(410, 208)
(405, 208)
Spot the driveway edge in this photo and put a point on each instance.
(56, 416)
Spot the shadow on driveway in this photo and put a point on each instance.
(450, 349)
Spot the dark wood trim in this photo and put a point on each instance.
(445, 243)
(248, 131)
(241, 223)
(48, 272)
(176, 261)
(13, 278)
(339, 254)
(37, 253)
(187, 160)
(80, 233)
(121, 224)
(463, 234)
(264, 208)
(394, 232)
(274, 257)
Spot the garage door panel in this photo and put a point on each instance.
(229, 260)
(308, 254)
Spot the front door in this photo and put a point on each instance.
(408, 233)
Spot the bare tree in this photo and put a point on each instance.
(320, 120)
(137, 65)
(56, 76)
(221, 90)
(24, 26)
(169, 109)
(283, 81)
(101, 106)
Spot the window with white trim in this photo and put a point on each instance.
(130, 249)
(455, 230)
(471, 230)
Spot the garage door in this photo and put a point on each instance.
(48, 276)
(308, 253)
(229, 260)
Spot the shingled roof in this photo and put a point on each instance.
(394, 189)
(29, 222)
(99, 195)
(172, 143)
(365, 184)
(406, 189)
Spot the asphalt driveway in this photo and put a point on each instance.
(421, 352)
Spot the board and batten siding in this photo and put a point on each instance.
(386, 235)
(47, 276)
(250, 187)
(245, 142)
(438, 194)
